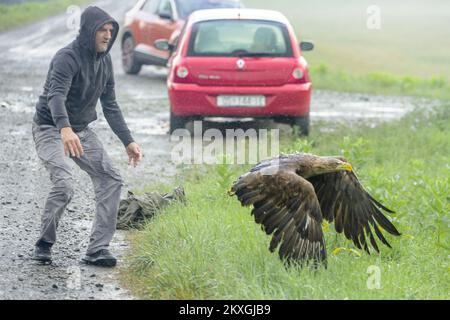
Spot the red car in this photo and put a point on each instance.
(238, 63)
(150, 20)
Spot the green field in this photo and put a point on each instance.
(12, 16)
(409, 54)
(211, 248)
(413, 39)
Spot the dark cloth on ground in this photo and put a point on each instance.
(135, 210)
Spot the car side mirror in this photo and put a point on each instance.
(306, 46)
(163, 44)
(166, 15)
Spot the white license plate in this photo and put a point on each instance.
(241, 101)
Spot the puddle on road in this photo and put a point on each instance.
(158, 125)
(20, 132)
(349, 110)
(329, 115)
(16, 107)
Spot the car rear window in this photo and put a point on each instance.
(227, 38)
(186, 7)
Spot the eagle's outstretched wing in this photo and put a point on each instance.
(284, 204)
(344, 201)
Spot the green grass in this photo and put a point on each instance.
(212, 249)
(381, 83)
(409, 55)
(12, 16)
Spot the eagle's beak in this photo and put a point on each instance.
(347, 167)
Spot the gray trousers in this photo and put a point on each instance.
(105, 178)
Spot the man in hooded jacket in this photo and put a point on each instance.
(79, 75)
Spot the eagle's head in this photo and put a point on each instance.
(330, 164)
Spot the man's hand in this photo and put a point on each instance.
(71, 142)
(134, 154)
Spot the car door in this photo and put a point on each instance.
(145, 17)
(161, 26)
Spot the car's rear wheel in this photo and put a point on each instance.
(176, 122)
(129, 63)
(302, 123)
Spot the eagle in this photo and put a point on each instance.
(292, 194)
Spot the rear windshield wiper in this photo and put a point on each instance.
(255, 54)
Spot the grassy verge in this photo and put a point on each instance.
(211, 248)
(12, 16)
(379, 83)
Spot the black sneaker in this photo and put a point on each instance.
(42, 253)
(102, 258)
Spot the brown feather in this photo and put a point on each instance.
(344, 201)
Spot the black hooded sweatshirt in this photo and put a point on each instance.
(78, 77)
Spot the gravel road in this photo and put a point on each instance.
(25, 54)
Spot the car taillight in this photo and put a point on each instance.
(182, 72)
(299, 75)
(182, 75)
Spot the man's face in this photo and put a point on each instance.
(102, 37)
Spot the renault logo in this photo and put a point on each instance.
(240, 64)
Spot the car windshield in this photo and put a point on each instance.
(240, 38)
(186, 7)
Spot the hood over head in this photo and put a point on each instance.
(92, 19)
